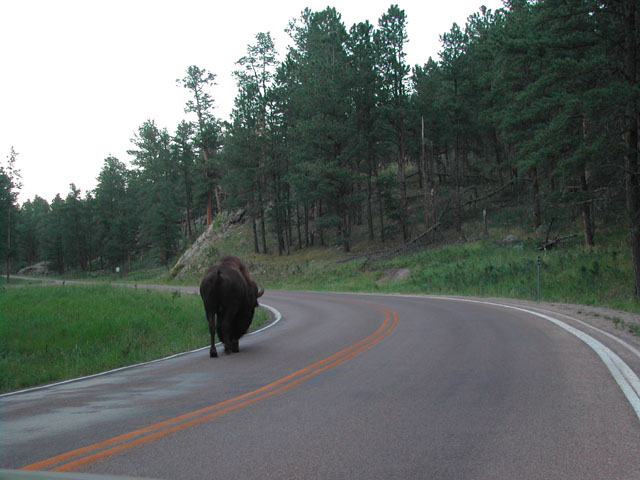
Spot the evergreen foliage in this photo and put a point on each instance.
(538, 100)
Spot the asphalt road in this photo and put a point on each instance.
(350, 386)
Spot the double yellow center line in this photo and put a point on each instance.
(75, 459)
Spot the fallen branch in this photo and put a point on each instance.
(546, 238)
(490, 194)
(390, 251)
(429, 230)
(549, 244)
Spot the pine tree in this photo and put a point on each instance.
(183, 153)
(158, 178)
(114, 213)
(365, 118)
(390, 38)
(325, 170)
(253, 123)
(198, 81)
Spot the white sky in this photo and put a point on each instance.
(78, 77)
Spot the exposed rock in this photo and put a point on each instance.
(195, 257)
(510, 240)
(41, 268)
(203, 252)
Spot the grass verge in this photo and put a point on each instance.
(53, 333)
(484, 268)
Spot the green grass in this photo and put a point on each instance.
(482, 267)
(455, 264)
(53, 333)
(15, 281)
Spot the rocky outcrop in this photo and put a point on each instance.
(41, 268)
(203, 253)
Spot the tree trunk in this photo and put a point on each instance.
(425, 180)
(209, 199)
(485, 226)
(261, 213)
(345, 230)
(216, 189)
(263, 230)
(320, 230)
(404, 216)
(632, 180)
(369, 205)
(537, 216)
(307, 231)
(209, 209)
(498, 156)
(189, 232)
(256, 247)
(8, 244)
(289, 216)
(187, 194)
(458, 200)
(298, 226)
(278, 216)
(587, 219)
(380, 211)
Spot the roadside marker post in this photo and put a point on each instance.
(538, 296)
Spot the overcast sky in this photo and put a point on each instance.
(80, 76)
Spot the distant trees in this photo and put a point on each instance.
(31, 230)
(157, 176)
(538, 100)
(114, 213)
(10, 184)
(627, 80)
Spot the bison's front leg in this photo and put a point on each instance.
(235, 347)
(212, 330)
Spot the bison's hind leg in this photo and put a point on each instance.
(228, 347)
(226, 322)
(231, 347)
(235, 347)
(212, 329)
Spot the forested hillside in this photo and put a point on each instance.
(535, 104)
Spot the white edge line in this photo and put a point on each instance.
(626, 378)
(631, 348)
(277, 314)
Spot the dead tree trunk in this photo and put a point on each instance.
(587, 218)
(426, 181)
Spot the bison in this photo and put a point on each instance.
(229, 294)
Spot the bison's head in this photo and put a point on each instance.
(258, 291)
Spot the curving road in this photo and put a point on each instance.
(353, 386)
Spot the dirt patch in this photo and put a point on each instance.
(395, 275)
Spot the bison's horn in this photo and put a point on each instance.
(260, 291)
